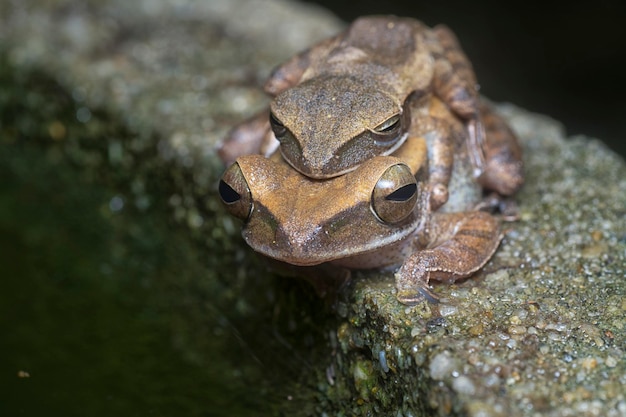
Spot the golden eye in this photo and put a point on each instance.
(389, 126)
(235, 193)
(388, 132)
(395, 194)
(278, 128)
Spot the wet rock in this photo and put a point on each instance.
(539, 331)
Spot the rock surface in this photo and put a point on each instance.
(539, 332)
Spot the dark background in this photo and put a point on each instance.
(565, 60)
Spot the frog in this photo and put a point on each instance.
(358, 94)
(380, 215)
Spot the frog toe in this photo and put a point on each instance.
(416, 295)
(413, 290)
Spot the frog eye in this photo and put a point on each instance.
(389, 125)
(235, 193)
(389, 130)
(395, 194)
(277, 126)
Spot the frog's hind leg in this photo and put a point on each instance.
(455, 84)
(493, 146)
(289, 73)
(252, 136)
(502, 169)
(455, 81)
(462, 244)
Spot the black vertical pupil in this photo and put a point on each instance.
(227, 193)
(403, 193)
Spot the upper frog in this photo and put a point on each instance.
(348, 102)
(347, 99)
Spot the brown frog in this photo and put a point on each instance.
(352, 97)
(407, 199)
(376, 216)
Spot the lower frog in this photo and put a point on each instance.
(381, 214)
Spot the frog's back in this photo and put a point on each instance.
(389, 39)
(384, 52)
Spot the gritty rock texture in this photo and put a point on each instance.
(539, 332)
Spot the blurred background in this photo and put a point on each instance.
(564, 60)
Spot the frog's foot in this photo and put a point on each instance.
(502, 174)
(253, 136)
(495, 203)
(461, 244)
(412, 287)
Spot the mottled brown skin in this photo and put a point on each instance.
(348, 223)
(332, 100)
(410, 204)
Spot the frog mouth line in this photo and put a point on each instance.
(313, 250)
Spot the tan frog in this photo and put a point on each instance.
(376, 216)
(358, 94)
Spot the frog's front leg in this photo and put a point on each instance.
(253, 136)
(462, 244)
(441, 159)
(434, 121)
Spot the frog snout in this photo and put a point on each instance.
(300, 241)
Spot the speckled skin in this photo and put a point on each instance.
(306, 222)
(330, 100)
